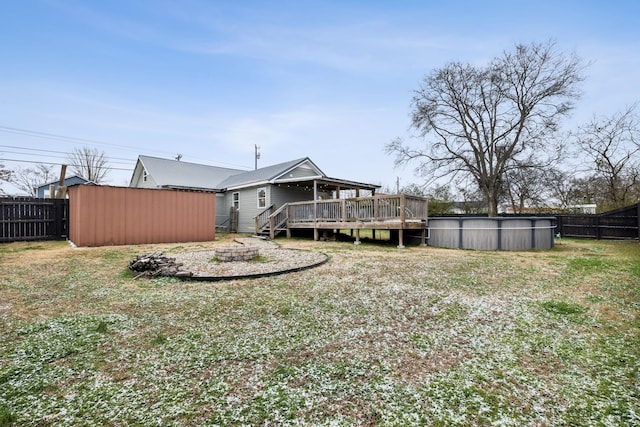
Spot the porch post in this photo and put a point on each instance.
(357, 242)
(402, 219)
(400, 241)
(315, 210)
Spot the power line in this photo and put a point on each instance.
(128, 162)
(38, 134)
(66, 138)
(54, 152)
(55, 164)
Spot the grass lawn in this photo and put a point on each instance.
(376, 336)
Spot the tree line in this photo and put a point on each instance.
(493, 132)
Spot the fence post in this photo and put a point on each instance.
(58, 208)
(638, 218)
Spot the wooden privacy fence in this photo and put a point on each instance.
(30, 218)
(618, 224)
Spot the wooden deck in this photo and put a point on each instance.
(389, 212)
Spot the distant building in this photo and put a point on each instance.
(588, 209)
(43, 190)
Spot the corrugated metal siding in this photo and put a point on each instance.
(480, 234)
(444, 232)
(544, 233)
(101, 215)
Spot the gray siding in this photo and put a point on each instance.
(300, 172)
(248, 207)
(248, 203)
(283, 194)
(138, 179)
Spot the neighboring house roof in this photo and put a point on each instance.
(179, 174)
(271, 174)
(72, 180)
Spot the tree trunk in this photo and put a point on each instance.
(492, 202)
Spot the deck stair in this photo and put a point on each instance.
(271, 221)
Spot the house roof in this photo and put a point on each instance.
(184, 175)
(270, 174)
(178, 174)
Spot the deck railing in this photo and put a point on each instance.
(277, 220)
(364, 209)
(262, 219)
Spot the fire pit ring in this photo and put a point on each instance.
(230, 253)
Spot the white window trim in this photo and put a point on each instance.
(258, 197)
(235, 200)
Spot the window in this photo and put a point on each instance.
(262, 197)
(144, 175)
(236, 200)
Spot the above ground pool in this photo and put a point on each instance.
(495, 233)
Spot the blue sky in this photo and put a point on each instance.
(329, 80)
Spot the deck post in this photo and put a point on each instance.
(423, 237)
(400, 241)
(287, 223)
(402, 220)
(272, 231)
(357, 242)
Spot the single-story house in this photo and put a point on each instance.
(43, 190)
(247, 192)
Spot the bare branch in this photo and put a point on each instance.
(486, 121)
(89, 163)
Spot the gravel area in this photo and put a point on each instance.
(271, 259)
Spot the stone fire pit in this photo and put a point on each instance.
(207, 265)
(231, 253)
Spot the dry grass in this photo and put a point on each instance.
(377, 336)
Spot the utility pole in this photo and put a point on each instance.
(256, 155)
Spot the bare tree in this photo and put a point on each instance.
(613, 144)
(440, 200)
(482, 122)
(89, 163)
(525, 188)
(5, 176)
(565, 189)
(29, 179)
